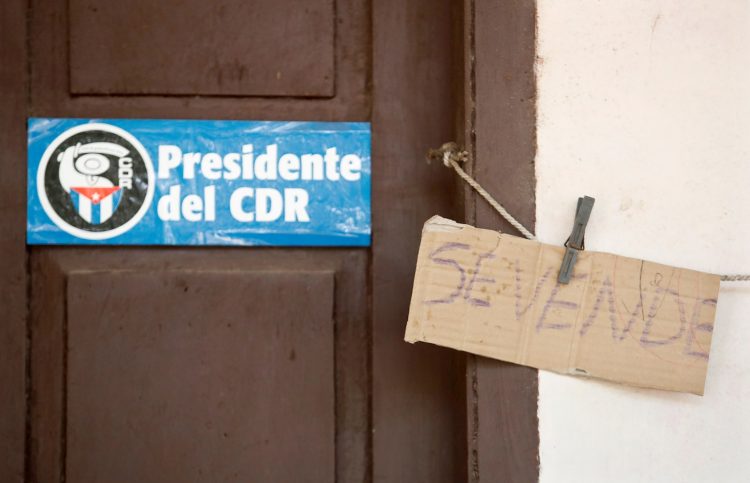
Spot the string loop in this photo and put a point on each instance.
(451, 156)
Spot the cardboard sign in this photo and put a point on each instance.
(169, 182)
(621, 319)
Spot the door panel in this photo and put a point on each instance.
(194, 47)
(131, 351)
(199, 375)
(272, 85)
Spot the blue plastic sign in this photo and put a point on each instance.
(168, 182)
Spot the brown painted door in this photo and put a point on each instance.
(258, 364)
(198, 364)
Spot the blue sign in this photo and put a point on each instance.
(165, 182)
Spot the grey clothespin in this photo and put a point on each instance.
(574, 244)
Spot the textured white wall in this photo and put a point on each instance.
(645, 105)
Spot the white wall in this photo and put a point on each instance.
(645, 105)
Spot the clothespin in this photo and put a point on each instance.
(574, 243)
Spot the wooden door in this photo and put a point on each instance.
(247, 364)
(198, 364)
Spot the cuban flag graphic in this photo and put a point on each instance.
(95, 205)
(95, 197)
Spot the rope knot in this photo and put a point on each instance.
(448, 152)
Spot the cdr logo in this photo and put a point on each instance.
(95, 181)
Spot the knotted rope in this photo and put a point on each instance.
(452, 157)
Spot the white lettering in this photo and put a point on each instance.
(125, 173)
(209, 198)
(351, 167)
(192, 207)
(189, 162)
(289, 167)
(247, 161)
(312, 167)
(211, 165)
(265, 164)
(295, 205)
(235, 204)
(268, 165)
(331, 159)
(268, 204)
(169, 158)
(169, 205)
(232, 164)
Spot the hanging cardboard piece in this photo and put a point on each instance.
(621, 319)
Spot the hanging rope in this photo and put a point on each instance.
(451, 156)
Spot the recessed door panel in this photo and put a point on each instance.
(199, 376)
(198, 47)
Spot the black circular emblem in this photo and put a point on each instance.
(95, 181)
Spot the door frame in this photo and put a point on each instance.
(484, 411)
(13, 257)
(499, 122)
